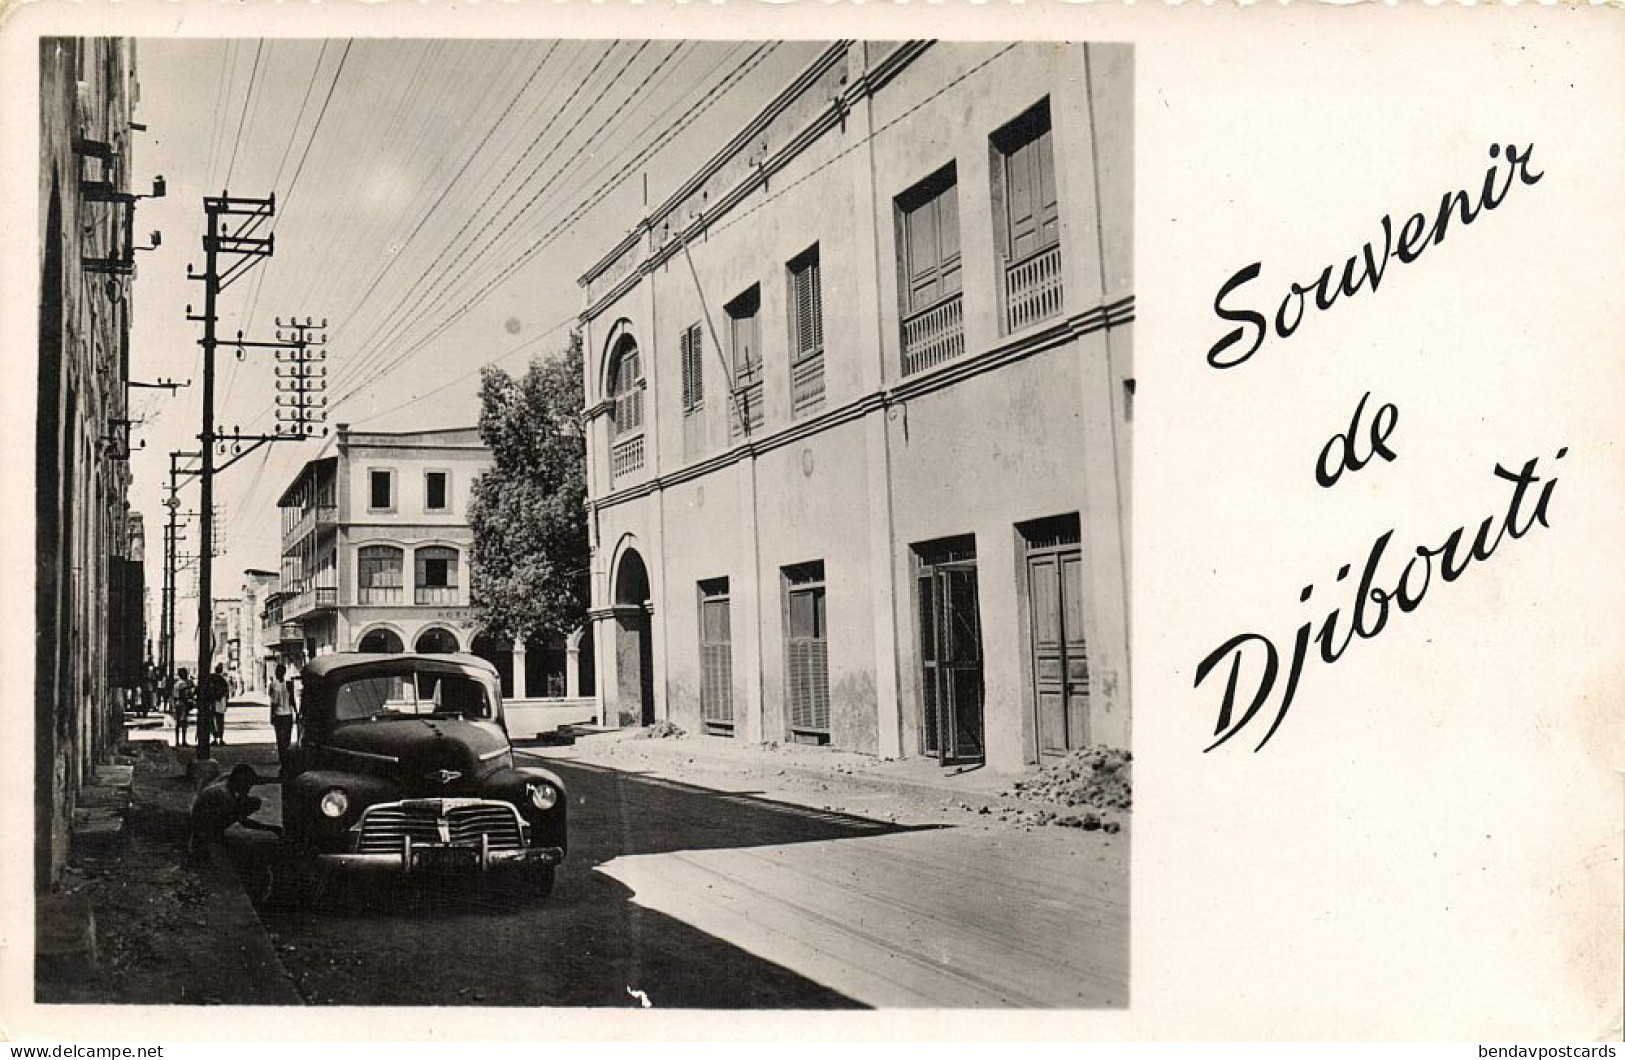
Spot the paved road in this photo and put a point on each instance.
(734, 900)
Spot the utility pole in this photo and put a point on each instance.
(243, 217)
(172, 539)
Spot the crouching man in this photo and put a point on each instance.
(225, 803)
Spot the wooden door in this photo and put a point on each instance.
(1060, 655)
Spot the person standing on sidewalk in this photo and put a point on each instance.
(282, 713)
(216, 694)
(185, 698)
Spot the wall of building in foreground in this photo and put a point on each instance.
(1012, 450)
(85, 574)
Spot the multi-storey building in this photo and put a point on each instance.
(375, 542)
(85, 572)
(859, 398)
(230, 637)
(258, 586)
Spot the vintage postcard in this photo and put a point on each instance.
(1056, 521)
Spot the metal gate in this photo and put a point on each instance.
(950, 653)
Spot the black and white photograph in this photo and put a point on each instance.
(565, 524)
(583, 523)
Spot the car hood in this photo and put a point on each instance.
(426, 755)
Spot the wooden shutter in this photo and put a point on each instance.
(807, 308)
(716, 661)
(931, 242)
(1029, 176)
(692, 352)
(808, 660)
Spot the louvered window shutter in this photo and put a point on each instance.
(696, 364)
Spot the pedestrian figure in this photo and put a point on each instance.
(149, 689)
(282, 713)
(185, 699)
(225, 803)
(216, 694)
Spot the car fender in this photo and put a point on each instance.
(548, 827)
(300, 795)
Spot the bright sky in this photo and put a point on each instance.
(436, 200)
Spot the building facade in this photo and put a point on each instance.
(859, 398)
(375, 544)
(85, 574)
(257, 657)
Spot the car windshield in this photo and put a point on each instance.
(420, 694)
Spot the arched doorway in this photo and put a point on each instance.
(435, 641)
(499, 653)
(586, 668)
(381, 642)
(634, 642)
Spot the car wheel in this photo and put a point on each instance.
(542, 885)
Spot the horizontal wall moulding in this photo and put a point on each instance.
(1011, 350)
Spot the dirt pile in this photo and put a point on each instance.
(1101, 777)
(665, 730)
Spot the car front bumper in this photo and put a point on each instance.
(404, 863)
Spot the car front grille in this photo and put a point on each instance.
(384, 828)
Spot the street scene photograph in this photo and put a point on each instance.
(584, 523)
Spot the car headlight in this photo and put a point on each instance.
(543, 795)
(334, 803)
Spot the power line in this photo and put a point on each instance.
(448, 278)
(489, 286)
(468, 161)
(532, 341)
(384, 323)
(247, 98)
(315, 129)
(627, 168)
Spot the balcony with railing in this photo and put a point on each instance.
(807, 382)
(309, 519)
(435, 594)
(625, 457)
(934, 334)
(1032, 288)
(379, 594)
(314, 598)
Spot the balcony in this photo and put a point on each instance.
(316, 598)
(933, 335)
(309, 520)
(435, 594)
(807, 382)
(625, 457)
(379, 594)
(1032, 288)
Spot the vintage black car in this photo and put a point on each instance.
(403, 766)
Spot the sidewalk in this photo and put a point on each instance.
(133, 921)
(824, 778)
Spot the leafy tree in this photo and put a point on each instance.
(529, 513)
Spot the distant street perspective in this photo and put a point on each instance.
(584, 523)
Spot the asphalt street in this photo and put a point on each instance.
(684, 895)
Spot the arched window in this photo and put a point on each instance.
(436, 641)
(380, 641)
(626, 387)
(436, 571)
(378, 575)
